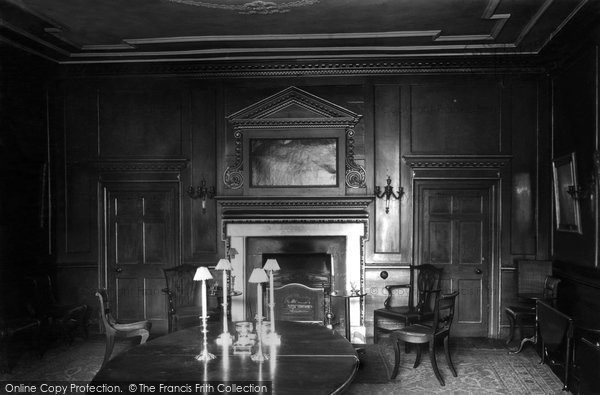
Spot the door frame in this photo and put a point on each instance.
(494, 184)
(104, 183)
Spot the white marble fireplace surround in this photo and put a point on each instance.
(346, 217)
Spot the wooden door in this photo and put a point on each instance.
(454, 222)
(141, 241)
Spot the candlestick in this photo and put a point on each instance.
(271, 265)
(225, 266)
(203, 274)
(258, 276)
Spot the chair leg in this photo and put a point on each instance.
(511, 333)
(145, 335)
(418, 358)
(521, 328)
(448, 359)
(375, 331)
(434, 365)
(396, 359)
(110, 343)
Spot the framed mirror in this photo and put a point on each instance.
(568, 215)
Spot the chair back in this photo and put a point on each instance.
(587, 361)
(107, 319)
(532, 276)
(443, 313)
(428, 280)
(181, 288)
(550, 294)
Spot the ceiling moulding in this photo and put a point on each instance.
(481, 64)
(252, 7)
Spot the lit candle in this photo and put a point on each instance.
(203, 274)
(258, 276)
(225, 266)
(225, 326)
(203, 298)
(259, 312)
(271, 265)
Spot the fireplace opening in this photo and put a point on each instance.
(311, 269)
(301, 286)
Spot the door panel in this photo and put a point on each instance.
(454, 233)
(141, 242)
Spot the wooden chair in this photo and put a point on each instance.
(428, 279)
(114, 329)
(587, 360)
(525, 313)
(419, 334)
(184, 298)
(57, 320)
(555, 334)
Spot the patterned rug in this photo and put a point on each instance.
(480, 371)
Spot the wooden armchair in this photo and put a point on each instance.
(428, 279)
(443, 315)
(521, 314)
(57, 320)
(555, 334)
(114, 329)
(184, 298)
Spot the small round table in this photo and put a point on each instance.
(347, 298)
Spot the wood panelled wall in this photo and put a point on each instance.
(25, 246)
(576, 114)
(135, 128)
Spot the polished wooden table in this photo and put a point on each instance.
(310, 360)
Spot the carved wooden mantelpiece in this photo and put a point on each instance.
(140, 165)
(454, 162)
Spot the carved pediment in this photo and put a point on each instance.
(280, 115)
(293, 107)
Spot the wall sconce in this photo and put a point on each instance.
(578, 192)
(202, 192)
(388, 193)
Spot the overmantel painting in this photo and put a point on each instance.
(293, 162)
(566, 205)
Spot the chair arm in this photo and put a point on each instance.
(390, 289)
(132, 326)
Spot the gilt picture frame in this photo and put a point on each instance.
(566, 206)
(302, 161)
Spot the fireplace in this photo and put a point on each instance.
(315, 262)
(330, 231)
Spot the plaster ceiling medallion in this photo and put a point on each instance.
(253, 7)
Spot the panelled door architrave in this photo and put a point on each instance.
(140, 235)
(457, 208)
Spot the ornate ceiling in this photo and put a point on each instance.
(99, 31)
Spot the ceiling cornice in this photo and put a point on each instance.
(325, 67)
(23, 27)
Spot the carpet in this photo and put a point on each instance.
(78, 362)
(480, 371)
